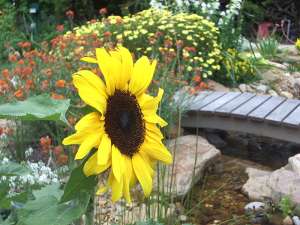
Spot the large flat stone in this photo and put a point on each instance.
(192, 154)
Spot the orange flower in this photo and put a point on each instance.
(26, 71)
(60, 83)
(70, 14)
(12, 58)
(197, 78)
(103, 11)
(62, 159)
(29, 84)
(45, 85)
(60, 28)
(58, 150)
(3, 86)
(5, 73)
(21, 62)
(19, 94)
(45, 143)
(57, 96)
(107, 34)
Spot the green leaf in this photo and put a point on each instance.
(78, 182)
(47, 210)
(13, 169)
(41, 107)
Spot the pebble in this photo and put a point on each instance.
(287, 221)
(262, 88)
(243, 87)
(272, 92)
(286, 94)
(255, 207)
(296, 220)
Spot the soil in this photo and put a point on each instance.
(219, 199)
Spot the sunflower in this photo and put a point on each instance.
(123, 127)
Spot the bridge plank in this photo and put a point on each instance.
(235, 103)
(206, 100)
(293, 120)
(282, 111)
(266, 108)
(249, 106)
(211, 107)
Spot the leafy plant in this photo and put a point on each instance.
(268, 47)
(286, 206)
(40, 107)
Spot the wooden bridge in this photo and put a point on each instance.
(262, 115)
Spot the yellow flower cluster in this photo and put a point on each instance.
(188, 37)
(297, 44)
(239, 67)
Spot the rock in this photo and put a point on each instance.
(272, 75)
(295, 164)
(297, 82)
(261, 88)
(272, 92)
(255, 207)
(287, 221)
(256, 187)
(275, 185)
(243, 87)
(286, 94)
(213, 85)
(296, 220)
(184, 161)
(288, 49)
(183, 218)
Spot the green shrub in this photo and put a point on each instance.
(9, 34)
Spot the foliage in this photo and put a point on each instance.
(286, 206)
(9, 34)
(237, 68)
(40, 107)
(268, 47)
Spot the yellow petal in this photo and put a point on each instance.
(142, 173)
(127, 178)
(157, 151)
(89, 59)
(91, 141)
(153, 131)
(92, 168)
(117, 189)
(89, 121)
(111, 69)
(153, 118)
(151, 105)
(117, 163)
(142, 75)
(124, 56)
(90, 90)
(76, 138)
(148, 162)
(104, 150)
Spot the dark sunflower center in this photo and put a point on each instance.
(124, 122)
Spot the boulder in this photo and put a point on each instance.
(192, 154)
(215, 86)
(275, 185)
